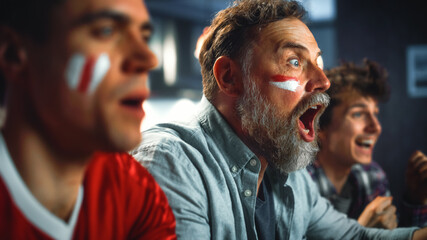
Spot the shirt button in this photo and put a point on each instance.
(234, 169)
(252, 162)
(248, 193)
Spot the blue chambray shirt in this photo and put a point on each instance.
(210, 178)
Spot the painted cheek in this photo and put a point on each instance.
(84, 74)
(285, 82)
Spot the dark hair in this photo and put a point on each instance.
(29, 18)
(233, 29)
(368, 80)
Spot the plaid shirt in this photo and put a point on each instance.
(367, 182)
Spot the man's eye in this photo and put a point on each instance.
(294, 62)
(356, 114)
(104, 32)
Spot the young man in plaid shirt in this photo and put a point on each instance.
(344, 170)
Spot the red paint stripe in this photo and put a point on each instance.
(86, 75)
(281, 78)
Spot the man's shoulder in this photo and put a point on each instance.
(172, 136)
(119, 168)
(300, 177)
(172, 130)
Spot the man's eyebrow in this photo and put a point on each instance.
(299, 46)
(105, 14)
(294, 45)
(357, 105)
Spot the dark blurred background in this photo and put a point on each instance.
(393, 33)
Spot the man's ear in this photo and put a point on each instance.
(228, 76)
(13, 56)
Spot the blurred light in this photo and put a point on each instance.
(164, 110)
(200, 41)
(320, 10)
(169, 57)
(151, 116)
(181, 109)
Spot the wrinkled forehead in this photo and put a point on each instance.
(288, 30)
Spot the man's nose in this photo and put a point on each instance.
(317, 80)
(374, 125)
(139, 58)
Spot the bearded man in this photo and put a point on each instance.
(235, 170)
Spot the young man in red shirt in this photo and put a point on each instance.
(76, 77)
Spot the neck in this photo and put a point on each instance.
(264, 165)
(53, 177)
(336, 172)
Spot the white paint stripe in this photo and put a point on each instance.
(74, 70)
(290, 85)
(101, 68)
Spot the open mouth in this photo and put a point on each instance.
(365, 143)
(133, 106)
(133, 102)
(306, 123)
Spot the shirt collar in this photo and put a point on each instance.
(224, 136)
(29, 206)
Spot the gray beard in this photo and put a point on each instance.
(276, 136)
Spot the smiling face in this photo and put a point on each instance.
(283, 94)
(353, 132)
(101, 47)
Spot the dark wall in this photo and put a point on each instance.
(381, 30)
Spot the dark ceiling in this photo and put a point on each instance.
(199, 10)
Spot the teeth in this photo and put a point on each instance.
(313, 107)
(306, 131)
(366, 142)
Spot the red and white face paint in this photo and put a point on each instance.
(285, 83)
(84, 74)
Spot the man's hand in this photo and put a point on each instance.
(380, 213)
(416, 179)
